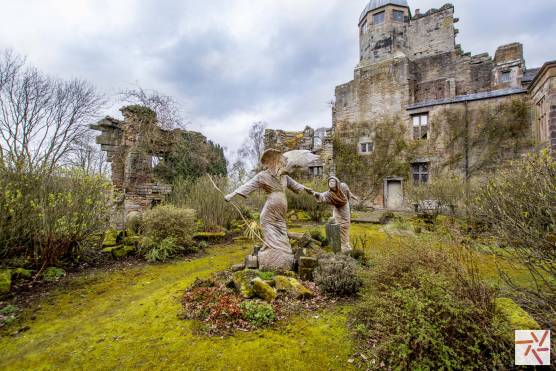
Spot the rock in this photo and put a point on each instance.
(251, 262)
(295, 235)
(293, 287)
(5, 281)
(307, 265)
(305, 241)
(263, 290)
(51, 274)
(242, 281)
(22, 273)
(516, 318)
(386, 217)
(282, 283)
(237, 267)
(333, 237)
(120, 251)
(113, 238)
(132, 241)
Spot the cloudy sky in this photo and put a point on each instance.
(232, 62)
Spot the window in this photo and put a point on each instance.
(420, 172)
(420, 126)
(316, 170)
(398, 16)
(366, 147)
(364, 27)
(378, 18)
(505, 76)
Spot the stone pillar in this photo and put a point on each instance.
(333, 236)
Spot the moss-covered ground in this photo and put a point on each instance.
(128, 319)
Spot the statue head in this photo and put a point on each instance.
(332, 183)
(273, 161)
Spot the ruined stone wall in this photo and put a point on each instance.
(130, 145)
(431, 33)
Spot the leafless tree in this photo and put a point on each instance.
(168, 112)
(253, 146)
(87, 156)
(41, 117)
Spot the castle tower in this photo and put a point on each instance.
(382, 29)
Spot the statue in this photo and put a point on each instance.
(338, 195)
(276, 253)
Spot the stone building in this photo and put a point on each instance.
(412, 72)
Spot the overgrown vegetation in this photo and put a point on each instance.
(166, 229)
(337, 275)
(386, 159)
(478, 139)
(47, 217)
(518, 207)
(209, 204)
(422, 308)
(306, 202)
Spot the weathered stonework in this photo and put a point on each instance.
(132, 146)
(411, 66)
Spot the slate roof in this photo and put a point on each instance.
(375, 4)
(468, 97)
(530, 74)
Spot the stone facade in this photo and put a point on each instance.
(411, 71)
(133, 147)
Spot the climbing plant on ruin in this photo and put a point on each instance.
(480, 138)
(388, 157)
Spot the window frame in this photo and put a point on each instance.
(418, 133)
(397, 11)
(420, 172)
(381, 16)
(508, 77)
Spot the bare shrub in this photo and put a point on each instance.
(518, 206)
(167, 221)
(337, 275)
(207, 201)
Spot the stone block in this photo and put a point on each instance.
(237, 267)
(333, 236)
(251, 262)
(263, 290)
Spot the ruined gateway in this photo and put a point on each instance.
(412, 72)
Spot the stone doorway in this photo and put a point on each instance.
(393, 193)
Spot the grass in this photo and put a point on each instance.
(128, 319)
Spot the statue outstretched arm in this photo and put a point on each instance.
(293, 185)
(252, 185)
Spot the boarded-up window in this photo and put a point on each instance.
(397, 16)
(378, 18)
(420, 126)
(420, 172)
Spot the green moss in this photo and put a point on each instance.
(5, 281)
(266, 275)
(22, 273)
(53, 274)
(514, 316)
(209, 236)
(263, 290)
(110, 238)
(132, 240)
(126, 319)
(292, 286)
(242, 281)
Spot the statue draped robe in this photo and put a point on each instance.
(339, 199)
(276, 254)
